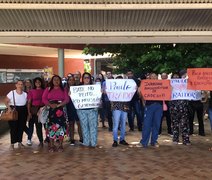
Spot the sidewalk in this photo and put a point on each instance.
(105, 162)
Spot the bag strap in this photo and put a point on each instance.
(14, 99)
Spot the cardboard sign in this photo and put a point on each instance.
(156, 89)
(121, 90)
(86, 96)
(180, 91)
(200, 79)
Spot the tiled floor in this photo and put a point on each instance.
(166, 162)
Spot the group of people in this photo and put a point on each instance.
(29, 96)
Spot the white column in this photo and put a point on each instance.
(61, 62)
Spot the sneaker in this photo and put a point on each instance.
(46, 140)
(201, 134)
(139, 129)
(40, 145)
(187, 143)
(175, 142)
(20, 145)
(72, 142)
(123, 142)
(170, 134)
(156, 145)
(115, 144)
(81, 141)
(140, 145)
(29, 142)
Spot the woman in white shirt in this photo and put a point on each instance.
(17, 127)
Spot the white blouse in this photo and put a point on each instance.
(20, 99)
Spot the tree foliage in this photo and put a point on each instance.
(143, 58)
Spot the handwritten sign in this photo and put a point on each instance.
(200, 79)
(156, 89)
(87, 96)
(121, 90)
(180, 91)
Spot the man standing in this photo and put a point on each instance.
(196, 106)
(77, 77)
(166, 112)
(107, 104)
(135, 107)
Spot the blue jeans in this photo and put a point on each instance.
(89, 124)
(119, 117)
(210, 116)
(151, 125)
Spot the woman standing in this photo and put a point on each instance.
(17, 127)
(179, 111)
(27, 88)
(56, 97)
(72, 113)
(34, 103)
(88, 118)
(119, 111)
(28, 85)
(100, 80)
(152, 120)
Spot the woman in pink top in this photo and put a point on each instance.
(34, 98)
(56, 97)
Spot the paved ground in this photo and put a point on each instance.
(166, 162)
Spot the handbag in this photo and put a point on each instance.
(43, 114)
(165, 108)
(10, 115)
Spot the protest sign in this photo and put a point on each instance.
(121, 90)
(86, 96)
(200, 78)
(156, 89)
(180, 91)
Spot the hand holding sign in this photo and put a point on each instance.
(121, 90)
(86, 96)
(200, 79)
(180, 91)
(156, 89)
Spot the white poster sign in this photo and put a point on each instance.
(86, 96)
(120, 89)
(180, 91)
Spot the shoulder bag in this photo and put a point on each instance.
(10, 115)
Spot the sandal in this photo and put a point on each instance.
(51, 149)
(60, 149)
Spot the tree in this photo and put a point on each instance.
(143, 58)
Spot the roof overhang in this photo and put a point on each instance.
(105, 21)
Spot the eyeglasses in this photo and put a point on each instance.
(86, 77)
